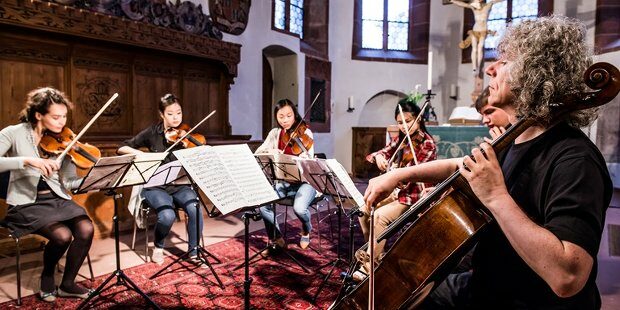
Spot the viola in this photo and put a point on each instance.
(83, 155)
(192, 140)
(302, 142)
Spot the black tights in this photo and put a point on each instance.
(60, 235)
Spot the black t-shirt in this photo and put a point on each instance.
(154, 139)
(561, 182)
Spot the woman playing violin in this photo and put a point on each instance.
(38, 192)
(279, 140)
(400, 200)
(165, 198)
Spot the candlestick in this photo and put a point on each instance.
(430, 71)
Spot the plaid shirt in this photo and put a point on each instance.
(425, 151)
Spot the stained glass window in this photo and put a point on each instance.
(500, 15)
(385, 24)
(288, 15)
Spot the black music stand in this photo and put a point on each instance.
(173, 173)
(276, 172)
(324, 179)
(109, 174)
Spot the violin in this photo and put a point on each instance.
(192, 140)
(83, 155)
(302, 141)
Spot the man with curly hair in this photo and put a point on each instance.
(548, 191)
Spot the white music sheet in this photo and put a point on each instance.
(315, 172)
(345, 180)
(144, 166)
(171, 173)
(228, 174)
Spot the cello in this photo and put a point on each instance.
(452, 213)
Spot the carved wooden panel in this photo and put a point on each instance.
(230, 16)
(92, 89)
(365, 141)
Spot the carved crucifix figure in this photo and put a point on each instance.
(478, 34)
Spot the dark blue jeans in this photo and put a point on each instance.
(163, 200)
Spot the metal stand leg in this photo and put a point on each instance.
(201, 254)
(271, 246)
(121, 278)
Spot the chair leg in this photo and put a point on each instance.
(133, 239)
(19, 273)
(90, 268)
(285, 220)
(329, 212)
(318, 226)
(146, 236)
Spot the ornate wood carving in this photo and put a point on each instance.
(84, 23)
(230, 16)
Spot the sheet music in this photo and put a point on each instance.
(228, 174)
(169, 173)
(144, 166)
(106, 173)
(315, 172)
(345, 180)
(284, 167)
(245, 170)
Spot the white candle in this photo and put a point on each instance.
(430, 71)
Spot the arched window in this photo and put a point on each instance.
(501, 14)
(288, 17)
(388, 30)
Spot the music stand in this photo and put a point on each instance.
(275, 172)
(323, 175)
(109, 174)
(223, 172)
(172, 173)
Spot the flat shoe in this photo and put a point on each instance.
(48, 297)
(62, 293)
(304, 241)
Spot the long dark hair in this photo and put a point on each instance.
(411, 107)
(39, 100)
(283, 103)
(168, 100)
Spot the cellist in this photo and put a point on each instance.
(400, 155)
(548, 191)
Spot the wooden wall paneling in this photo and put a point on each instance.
(365, 141)
(153, 78)
(24, 65)
(96, 74)
(17, 79)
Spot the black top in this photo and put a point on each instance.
(561, 182)
(154, 139)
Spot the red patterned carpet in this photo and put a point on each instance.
(275, 286)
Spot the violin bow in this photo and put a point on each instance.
(79, 135)
(415, 157)
(189, 131)
(417, 119)
(302, 119)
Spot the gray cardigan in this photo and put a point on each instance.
(17, 143)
